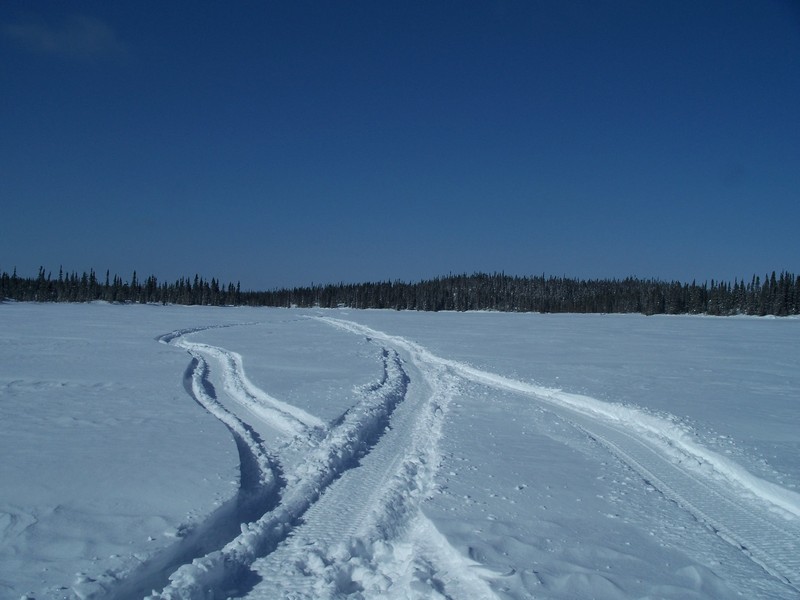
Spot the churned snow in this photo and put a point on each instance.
(194, 452)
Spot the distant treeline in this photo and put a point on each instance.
(773, 295)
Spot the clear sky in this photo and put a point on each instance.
(285, 143)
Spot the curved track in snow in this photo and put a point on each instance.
(339, 507)
(259, 480)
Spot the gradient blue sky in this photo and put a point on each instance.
(280, 144)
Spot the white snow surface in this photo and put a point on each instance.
(211, 453)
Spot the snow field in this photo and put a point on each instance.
(373, 454)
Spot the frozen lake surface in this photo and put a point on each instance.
(196, 452)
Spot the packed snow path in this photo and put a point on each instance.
(331, 510)
(366, 534)
(342, 499)
(756, 516)
(733, 511)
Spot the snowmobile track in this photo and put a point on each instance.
(769, 538)
(349, 492)
(340, 450)
(757, 517)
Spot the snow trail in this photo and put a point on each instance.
(367, 535)
(349, 517)
(220, 573)
(759, 517)
(201, 390)
(769, 538)
(260, 482)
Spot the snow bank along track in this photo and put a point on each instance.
(326, 510)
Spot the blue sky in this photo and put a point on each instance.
(280, 144)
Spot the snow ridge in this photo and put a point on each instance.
(289, 419)
(205, 396)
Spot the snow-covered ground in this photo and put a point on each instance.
(190, 452)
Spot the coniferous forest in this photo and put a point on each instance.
(775, 294)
